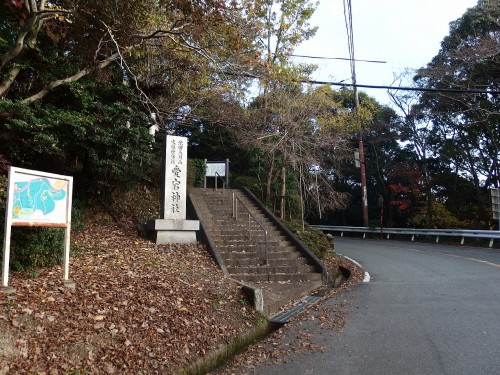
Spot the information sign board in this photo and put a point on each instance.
(216, 169)
(37, 198)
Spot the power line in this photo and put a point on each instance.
(402, 88)
(384, 87)
(338, 58)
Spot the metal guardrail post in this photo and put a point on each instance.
(233, 205)
(249, 228)
(265, 247)
(235, 209)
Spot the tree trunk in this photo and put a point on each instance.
(283, 185)
(269, 181)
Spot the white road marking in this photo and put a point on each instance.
(366, 278)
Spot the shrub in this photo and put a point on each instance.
(441, 218)
(251, 183)
(318, 242)
(77, 215)
(36, 247)
(140, 204)
(196, 172)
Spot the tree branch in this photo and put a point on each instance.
(10, 78)
(75, 77)
(26, 37)
(18, 45)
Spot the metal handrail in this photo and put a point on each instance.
(223, 182)
(224, 187)
(250, 216)
(469, 233)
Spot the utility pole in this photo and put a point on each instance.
(361, 149)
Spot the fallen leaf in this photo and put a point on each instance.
(27, 311)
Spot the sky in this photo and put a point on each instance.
(403, 33)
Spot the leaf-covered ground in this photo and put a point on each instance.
(137, 308)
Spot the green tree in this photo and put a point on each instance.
(79, 80)
(93, 130)
(467, 124)
(469, 60)
(418, 131)
(382, 152)
(47, 44)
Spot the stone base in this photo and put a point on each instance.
(69, 284)
(8, 290)
(164, 231)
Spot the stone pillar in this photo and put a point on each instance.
(173, 226)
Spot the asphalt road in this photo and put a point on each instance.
(428, 309)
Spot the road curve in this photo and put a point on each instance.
(428, 309)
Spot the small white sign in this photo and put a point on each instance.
(213, 168)
(495, 203)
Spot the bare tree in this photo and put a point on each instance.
(304, 137)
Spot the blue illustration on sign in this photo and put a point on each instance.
(38, 194)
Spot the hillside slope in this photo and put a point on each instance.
(137, 308)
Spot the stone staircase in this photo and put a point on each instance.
(281, 272)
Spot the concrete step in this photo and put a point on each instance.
(257, 245)
(280, 262)
(271, 269)
(253, 238)
(245, 253)
(278, 277)
(227, 218)
(250, 248)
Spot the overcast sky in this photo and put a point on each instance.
(404, 33)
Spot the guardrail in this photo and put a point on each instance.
(236, 202)
(463, 233)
